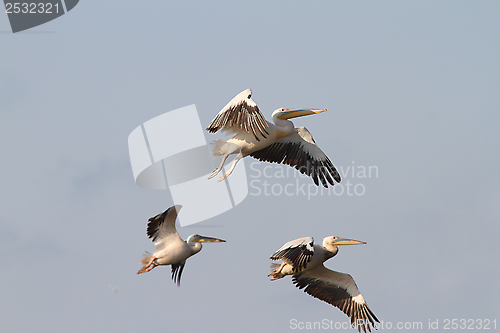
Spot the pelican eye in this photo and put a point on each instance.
(249, 96)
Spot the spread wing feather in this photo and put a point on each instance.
(298, 252)
(339, 290)
(177, 271)
(162, 226)
(241, 113)
(299, 150)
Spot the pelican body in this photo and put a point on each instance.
(304, 260)
(278, 142)
(170, 249)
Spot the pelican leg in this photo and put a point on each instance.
(276, 274)
(149, 266)
(219, 168)
(228, 172)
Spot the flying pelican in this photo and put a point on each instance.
(280, 142)
(170, 249)
(303, 259)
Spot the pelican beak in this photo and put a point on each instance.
(293, 113)
(347, 241)
(205, 239)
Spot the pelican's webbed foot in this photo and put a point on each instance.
(276, 274)
(149, 266)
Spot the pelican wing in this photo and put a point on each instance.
(241, 113)
(298, 252)
(340, 290)
(177, 271)
(300, 151)
(161, 228)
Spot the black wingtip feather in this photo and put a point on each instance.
(155, 222)
(360, 315)
(292, 154)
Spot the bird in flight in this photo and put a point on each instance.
(304, 260)
(170, 249)
(278, 142)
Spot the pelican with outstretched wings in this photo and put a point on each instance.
(278, 142)
(170, 249)
(304, 260)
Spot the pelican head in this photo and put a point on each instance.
(203, 239)
(284, 114)
(334, 240)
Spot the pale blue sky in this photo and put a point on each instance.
(410, 87)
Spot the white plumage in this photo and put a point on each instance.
(278, 142)
(304, 260)
(170, 249)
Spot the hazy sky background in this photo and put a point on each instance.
(411, 88)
